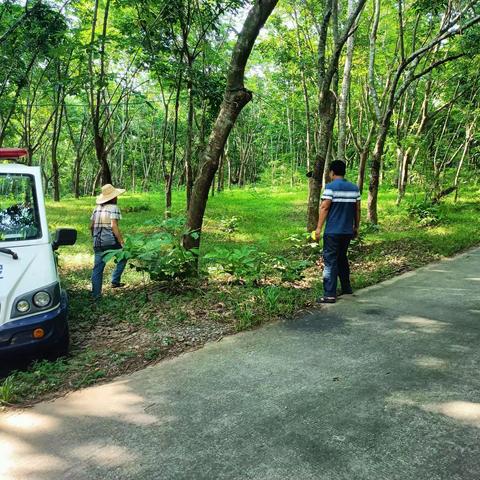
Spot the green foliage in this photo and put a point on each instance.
(245, 264)
(7, 391)
(278, 300)
(43, 376)
(45, 51)
(426, 213)
(430, 6)
(152, 353)
(270, 296)
(367, 227)
(246, 317)
(302, 245)
(160, 254)
(143, 207)
(249, 265)
(229, 225)
(289, 270)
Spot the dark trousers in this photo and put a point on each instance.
(335, 260)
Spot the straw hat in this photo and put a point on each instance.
(109, 192)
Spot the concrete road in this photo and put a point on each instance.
(384, 385)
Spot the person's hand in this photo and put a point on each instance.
(318, 234)
(355, 232)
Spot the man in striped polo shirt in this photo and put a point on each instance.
(340, 213)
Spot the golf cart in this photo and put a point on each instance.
(33, 306)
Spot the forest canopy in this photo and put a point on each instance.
(128, 92)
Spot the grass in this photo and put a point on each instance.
(145, 322)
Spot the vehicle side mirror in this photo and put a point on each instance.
(64, 236)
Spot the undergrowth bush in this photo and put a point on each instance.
(270, 297)
(159, 254)
(426, 213)
(7, 391)
(301, 245)
(143, 207)
(229, 225)
(289, 270)
(246, 264)
(251, 266)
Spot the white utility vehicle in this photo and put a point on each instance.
(33, 306)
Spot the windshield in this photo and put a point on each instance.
(19, 218)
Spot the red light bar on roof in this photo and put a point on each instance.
(13, 152)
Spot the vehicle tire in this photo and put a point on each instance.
(60, 348)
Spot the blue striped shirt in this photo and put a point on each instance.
(341, 216)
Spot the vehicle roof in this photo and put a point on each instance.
(18, 168)
(8, 156)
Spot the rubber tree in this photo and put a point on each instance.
(235, 98)
(327, 71)
(345, 92)
(104, 96)
(361, 135)
(302, 57)
(97, 91)
(454, 22)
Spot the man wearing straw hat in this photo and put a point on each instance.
(106, 236)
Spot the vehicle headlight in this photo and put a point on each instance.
(23, 306)
(42, 299)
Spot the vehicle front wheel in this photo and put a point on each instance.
(61, 346)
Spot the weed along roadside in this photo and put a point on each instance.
(257, 266)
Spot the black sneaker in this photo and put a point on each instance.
(326, 300)
(118, 285)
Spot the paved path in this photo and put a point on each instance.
(382, 386)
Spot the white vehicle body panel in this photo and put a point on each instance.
(35, 267)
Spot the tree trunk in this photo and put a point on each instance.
(168, 196)
(229, 165)
(96, 181)
(403, 177)
(76, 183)
(468, 139)
(55, 173)
(361, 168)
(56, 176)
(306, 97)
(57, 127)
(221, 168)
(235, 98)
(326, 119)
(372, 213)
(232, 106)
(343, 100)
(188, 147)
(55, 167)
(169, 177)
(102, 157)
(163, 143)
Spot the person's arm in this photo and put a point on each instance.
(116, 232)
(322, 216)
(92, 222)
(356, 226)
